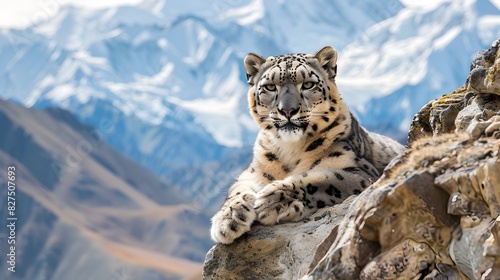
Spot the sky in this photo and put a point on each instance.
(22, 13)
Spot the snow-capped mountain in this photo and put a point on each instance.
(413, 57)
(164, 80)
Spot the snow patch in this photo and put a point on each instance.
(246, 15)
(444, 40)
(158, 79)
(218, 117)
(199, 51)
(61, 93)
(423, 4)
(489, 28)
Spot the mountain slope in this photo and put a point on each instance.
(414, 57)
(80, 201)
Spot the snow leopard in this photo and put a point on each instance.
(310, 151)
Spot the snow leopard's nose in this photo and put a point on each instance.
(289, 103)
(288, 113)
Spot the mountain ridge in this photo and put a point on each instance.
(79, 200)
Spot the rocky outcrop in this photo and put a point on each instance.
(282, 252)
(434, 214)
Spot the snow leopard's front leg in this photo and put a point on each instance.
(237, 213)
(299, 196)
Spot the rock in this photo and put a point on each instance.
(475, 101)
(285, 251)
(435, 206)
(434, 213)
(438, 116)
(484, 75)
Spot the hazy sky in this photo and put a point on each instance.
(21, 13)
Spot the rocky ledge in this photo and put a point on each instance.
(434, 214)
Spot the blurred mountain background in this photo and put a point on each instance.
(128, 121)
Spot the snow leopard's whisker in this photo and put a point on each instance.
(319, 114)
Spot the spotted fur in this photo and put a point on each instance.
(310, 152)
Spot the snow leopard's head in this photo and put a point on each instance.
(294, 95)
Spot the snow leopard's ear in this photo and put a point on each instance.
(327, 58)
(252, 63)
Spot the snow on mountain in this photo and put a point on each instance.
(165, 79)
(397, 51)
(141, 57)
(413, 57)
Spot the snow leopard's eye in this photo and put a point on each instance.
(270, 87)
(308, 85)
